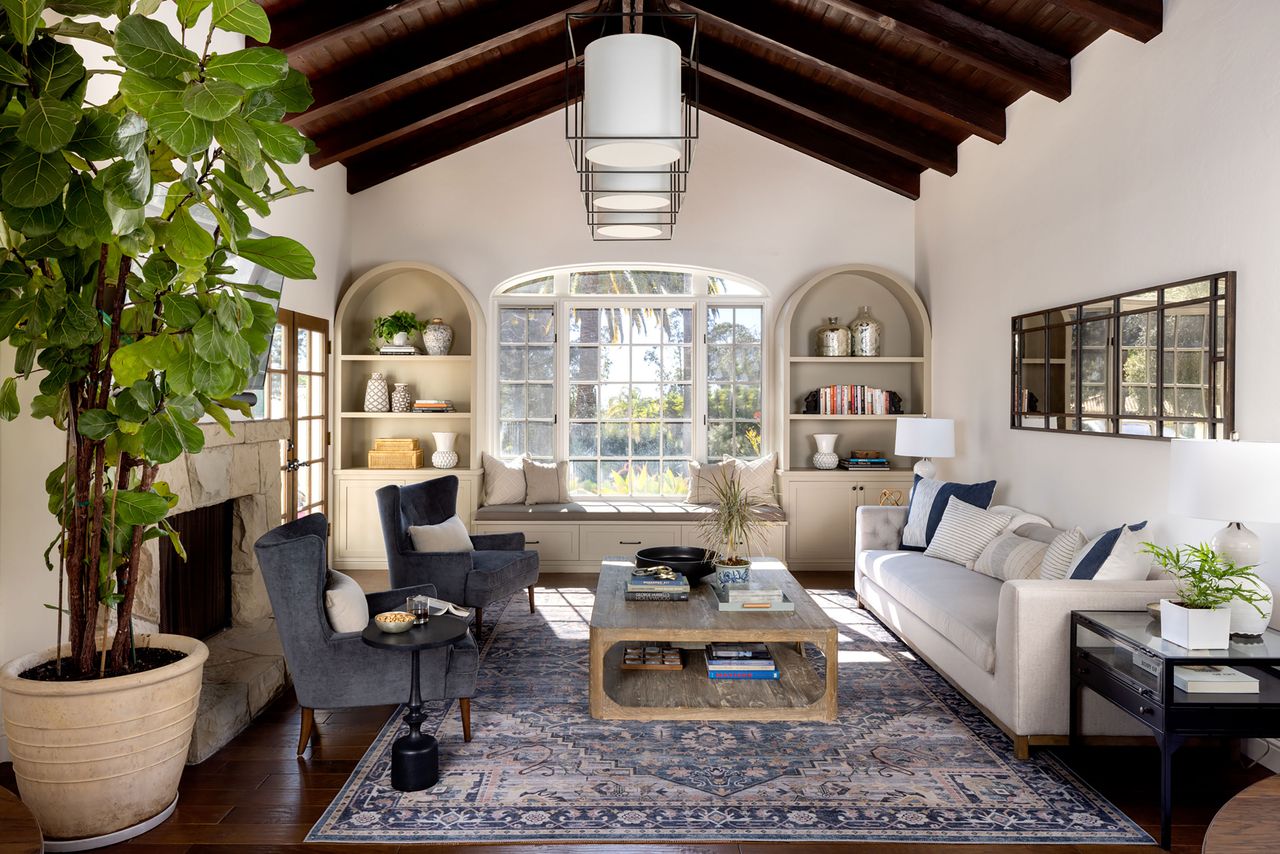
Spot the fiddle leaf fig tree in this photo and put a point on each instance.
(120, 220)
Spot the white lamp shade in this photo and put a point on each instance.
(925, 437)
(623, 190)
(632, 89)
(630, 225)
(1225, 481)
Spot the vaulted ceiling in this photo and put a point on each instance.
(883, 89)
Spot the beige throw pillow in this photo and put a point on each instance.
(1060, 554)
(546, 483)
(964, 532)
(449, 536)
(756, 476)
(503, 481)
(703, 477)
(344, 603)
(1010, 556)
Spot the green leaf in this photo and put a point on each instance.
(281, 255)
(86, 206)
(56, 68)
(280, 142)
(127, 185)
(78, 324)
(141, 92)
(294, 92)
(215, 379)
(146, 45)
(24, 17)
(213, 100)
(263, 106)
(12, 275)
(11, 71)
(9, 407)
(96, 135)
(165, 437)
(48, 124)
(252, 68)
(218, 414)
(238, 140)
(34, 178)
(97, 8)
(88, 30)
(131, 136)
(188, 244)
(137, 402)
(189, 11)
(180, 311)
(158, 271)
(186, 134)
(138, 508)
(36, 222)
(96, 424)
(242, 16)
(133, 362)
(241, 192)
(186, 407)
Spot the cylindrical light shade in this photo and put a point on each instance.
(624, 190)
(1226, 481)
(630, 225)
(925, 437)
(631, 94)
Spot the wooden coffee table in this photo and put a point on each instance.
(800, 694)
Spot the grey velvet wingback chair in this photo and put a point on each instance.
(336, 670)
(498, 567)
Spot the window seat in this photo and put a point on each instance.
(629, 510)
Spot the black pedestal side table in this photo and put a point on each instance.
(1121, 656)
(415, 758)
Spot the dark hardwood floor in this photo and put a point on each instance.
(255, 796)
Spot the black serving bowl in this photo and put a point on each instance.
(695, 563)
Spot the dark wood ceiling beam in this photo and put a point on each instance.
(809, 137)
(1137, 19)
(969, 40)
(451, 135)
(901, 82)
(819, 103)
(304, 24)
(454, 40)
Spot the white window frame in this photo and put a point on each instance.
(562, 304)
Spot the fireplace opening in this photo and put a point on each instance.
(195, 594)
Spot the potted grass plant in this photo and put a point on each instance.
(119, 220)
(733, 530)
(1208, 583)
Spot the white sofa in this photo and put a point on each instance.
(1005, 645)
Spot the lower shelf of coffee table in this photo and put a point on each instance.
(689, 694)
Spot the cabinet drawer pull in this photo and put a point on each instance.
(533, 542)
(629, 542)
(1145, 710)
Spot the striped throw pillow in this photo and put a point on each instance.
(1060, 554)
(928, 502)
(1010, 556)
(964, 532)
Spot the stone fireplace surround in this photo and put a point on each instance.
(246, 668)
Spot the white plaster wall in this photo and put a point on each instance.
(1160, 166)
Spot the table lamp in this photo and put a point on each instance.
(1228, 481)
(925, 438)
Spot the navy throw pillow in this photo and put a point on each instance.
(929, 501)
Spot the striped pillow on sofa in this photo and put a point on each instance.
(964, 532)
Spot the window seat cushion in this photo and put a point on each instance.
(629, 510)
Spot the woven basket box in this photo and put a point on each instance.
(395, 444)
(408, 459)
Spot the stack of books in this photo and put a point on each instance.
(865, 463)
(1213, 679)
(740, 661)
(650, 588)
(433, 406)
(393, 350)
(853, 400)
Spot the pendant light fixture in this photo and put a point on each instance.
(631, 116)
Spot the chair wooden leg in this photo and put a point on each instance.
(308, 726)
(531, 608)
(464, 706)
(479, 623)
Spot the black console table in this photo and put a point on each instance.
(1120, 655)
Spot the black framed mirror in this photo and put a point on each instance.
(1155, 363)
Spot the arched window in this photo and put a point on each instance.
(629, 372)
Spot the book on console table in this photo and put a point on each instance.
(741, 664)
(393, 350)
(742, 674)
(722, 649)
(1213, 679)
(783, 604)
(656, 595)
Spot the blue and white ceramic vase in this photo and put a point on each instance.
(437, 337)
(728, 574)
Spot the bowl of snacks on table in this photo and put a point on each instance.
(394, 622)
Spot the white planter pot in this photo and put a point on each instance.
(400, 339)
(97, 757)
(1195, 628)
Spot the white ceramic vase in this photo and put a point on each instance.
(376, 397)
(400, 339)
(445, 457)
(102, 757)
(437, 337)
(1245, 619)
(826, 457)
(401, 400)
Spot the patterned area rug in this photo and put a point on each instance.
(908, 760)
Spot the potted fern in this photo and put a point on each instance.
(1207, 585)
(124, 309)
(733, 530)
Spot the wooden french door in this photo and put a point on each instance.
(297, 389)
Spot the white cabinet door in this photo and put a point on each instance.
(554, 543)
(599, 541)
(820, 519)
(357, 530)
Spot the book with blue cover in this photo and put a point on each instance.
(743, 674)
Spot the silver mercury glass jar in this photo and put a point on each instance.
(867, 333)
(832, 339)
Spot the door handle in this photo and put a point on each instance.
(629, 542)
(294, 465)
(533, 542)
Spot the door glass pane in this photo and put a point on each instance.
(317, 438)
(277, 360)
(304, 396)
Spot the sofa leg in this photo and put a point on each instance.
(1021, 748)
(479, 623)
(531, 609)
(308, 726)
(464, 707)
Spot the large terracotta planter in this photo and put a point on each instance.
(99, 756)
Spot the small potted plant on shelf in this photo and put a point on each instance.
(395, 328)
(733, 530)
(1207, 584)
